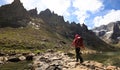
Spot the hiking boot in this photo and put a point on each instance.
(76, 60)
(81, 61)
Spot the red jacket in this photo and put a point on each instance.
(78, 41)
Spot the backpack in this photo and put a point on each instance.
(79, 41)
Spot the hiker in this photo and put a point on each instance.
(78, 44)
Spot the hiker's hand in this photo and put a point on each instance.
(83, 48)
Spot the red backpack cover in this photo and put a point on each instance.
(78, 41)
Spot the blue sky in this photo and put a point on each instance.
(91, 12)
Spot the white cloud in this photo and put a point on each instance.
(84, 6)
(81, 16)
(88, 5)
(8, 1)
(58, 6)
(111, 16)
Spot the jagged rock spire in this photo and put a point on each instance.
(84, 27)
(16, 2)
(33, 12)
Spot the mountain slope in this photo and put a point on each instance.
(68, 30)
(43, 30)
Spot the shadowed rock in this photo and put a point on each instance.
(2, 54)
(29, 58)
(14, 59)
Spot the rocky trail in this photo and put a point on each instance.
(61, 61)
(54, 60)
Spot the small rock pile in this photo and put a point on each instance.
(16, 57)
(61, 61)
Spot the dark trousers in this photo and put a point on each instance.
(78, 55)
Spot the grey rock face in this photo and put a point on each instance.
(33, 12)
(109, 33)
(13, 15)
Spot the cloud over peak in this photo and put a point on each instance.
(88, 5)
(58, 6)
(84, 6)
(111, 16)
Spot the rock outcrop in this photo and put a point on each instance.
(13, 15)
(33, 12)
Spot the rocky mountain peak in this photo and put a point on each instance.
(116, 32)
(33, 12)
(109, 33)
(16, 2)
(13, 15)
(51, 17)
(84, 27)
(46, 13)
(116, 27)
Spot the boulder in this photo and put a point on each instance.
(50, 50)
(25, 54)
(14, 59)
(1, 62)
(4, 59)
(2, 54)
(111, 68)
(22, 58)
(30, 56)
(54, 67)
(44, 59)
